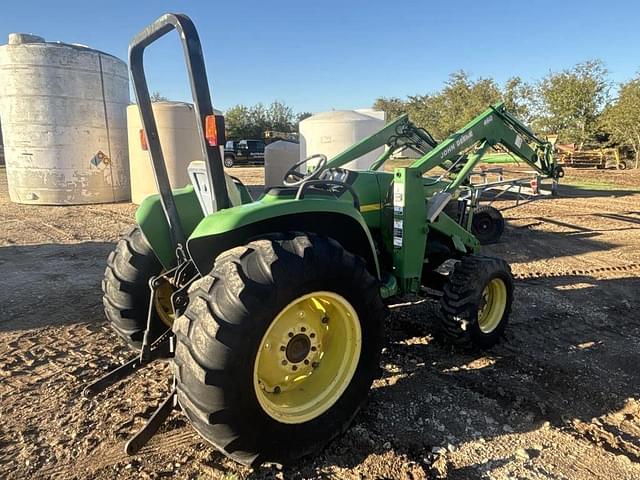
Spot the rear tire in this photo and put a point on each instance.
(229, 161)
(221, 337)
(487, 224)
(463, 320)
(126, 288)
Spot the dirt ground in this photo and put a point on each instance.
(558, 398)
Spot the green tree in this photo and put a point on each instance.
(243, 122)
(258, 119)
(280, 117)
(392, 107)
(461, 99)
(519, 99)
(158, 97)
(302, 116)
(621, 119)
(238, 122)
(570, 101)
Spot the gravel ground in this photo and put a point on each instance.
(558, 398)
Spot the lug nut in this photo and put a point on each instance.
(306, 362)
(302, 329)
(284, 362)
(276, 389)
(283, 348)
(294, 368)
(325, 319)
(313, 349)
(290, 334)
(312, 335)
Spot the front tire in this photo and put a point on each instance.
(278, 347)
(487, 224)
(476, 302)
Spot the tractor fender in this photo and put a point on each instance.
(153, 223)
(239, 225)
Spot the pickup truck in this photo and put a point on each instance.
(243, 152)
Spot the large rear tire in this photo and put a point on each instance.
(126, 290)
(278, 347)
(476, 302)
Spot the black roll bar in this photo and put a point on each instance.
(202, 103)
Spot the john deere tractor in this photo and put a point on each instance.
(272, 310)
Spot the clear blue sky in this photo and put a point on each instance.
(330, 54)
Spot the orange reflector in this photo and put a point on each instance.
(143, 140)
(211, 130)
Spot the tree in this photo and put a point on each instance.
(302, 116)
(158, 97)
(572, 100)
(461, 99)
(280, 117)
(392, 107)
(519, 99)
(621, 119)
(238, 122)
(258, 120)
(244, 122)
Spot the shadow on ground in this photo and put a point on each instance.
(51, 284)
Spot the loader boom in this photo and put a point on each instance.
(412, 220)
(492, 127)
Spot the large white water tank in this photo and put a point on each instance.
(180, 142)
(332, 132)
(63, 122)
(278, 158)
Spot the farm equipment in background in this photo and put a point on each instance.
(271, 136)
(272, 310)
(569, 155)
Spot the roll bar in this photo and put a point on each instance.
(202, 103)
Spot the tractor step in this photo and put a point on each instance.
(140, 439)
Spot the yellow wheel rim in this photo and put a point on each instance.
(162, 303)
(493, 303)
(307, 357)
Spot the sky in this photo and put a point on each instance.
(324, 55)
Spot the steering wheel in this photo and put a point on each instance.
(300, 178)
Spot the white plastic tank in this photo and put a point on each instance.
(279, 156)
(332, 132)
(179, 139)
(63, 122)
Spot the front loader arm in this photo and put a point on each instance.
(413, 220)
(492, 127)
(397, 134)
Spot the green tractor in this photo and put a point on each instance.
(272, 310)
